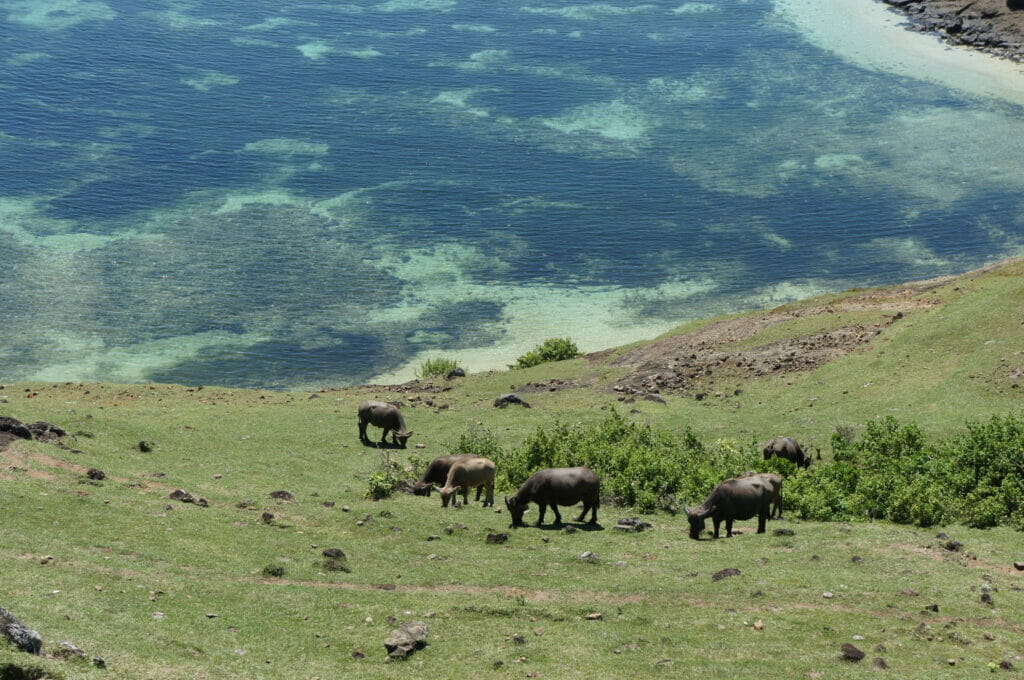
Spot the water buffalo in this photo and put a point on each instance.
(774, 482)
(554, 487)
(466, 474)
(387, 416)
(732, 499)
(788, 448)
(437, 474)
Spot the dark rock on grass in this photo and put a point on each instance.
(986, 598)
(24, 639)
(784, 532)
(932, 608)
(68, 651)
(851, 653)
(953, 546)
(879, 664)
(282, 495)
(273, 570)
(907, 592)
(335, 553)
(15, 427)
(1019, 566)
(497, 538)
(725, 573)
(656, 398)
(632, 524)
(93, 473)
(358, 655)
(182, 495)
(267, 517)
(406, 639)
(1006, 665)
(145, 446)
(46, 432)
(456, 373)
(506, 399)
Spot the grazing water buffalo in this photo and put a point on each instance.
(466, 474)
(387, 416)
(788, 448)
(731, 500)
(774, 482)
(437, 474)
(554, 487)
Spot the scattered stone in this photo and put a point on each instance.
(518, 639)
(405, 639)
(594, 616)
(942, 535)
(632, 524)
(569, 529)
(282, 495)
(245, 505)
(145, 446)
(986, 598)
(267, 517)
(93, 473)
(725, 573)
(345, 508)
(907, 592)
(457, 372)
(1006, 665)
(879, 648)
(358, 655)
(497, 538)
(758, 625)
(387, 586)
(15, 427)
(851, 653)
(159, 615)
(429, 538)
(663, 662)
(827, 595)
(589, 557)
(506, 399)
(857, 559)
(99, 662)
(656, 398)
(857, 638)
(953, 546)
(784, 532)
(24, 639)
(879, 664)
(182, 495)
(1019, 566)
(989, 636)
(66, 651)
(46, 559)
(951, 662)
(932, 608)
(211, 615)
(328, 504)
(273, 570)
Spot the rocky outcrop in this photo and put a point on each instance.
(24, 639)
(992, 26)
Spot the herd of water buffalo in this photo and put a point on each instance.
(752, 494)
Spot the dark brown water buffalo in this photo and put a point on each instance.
(437, 474)
(733, 499)
(774, 482)
(387, 416)
(788, 448)
(554, 487)
(466, 474)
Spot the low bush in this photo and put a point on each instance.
(552, 349)
(438, 367)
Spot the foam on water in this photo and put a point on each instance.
(460, 100)
(365, 53)
(416, 5)
(207, 80)
(22, 58)
(274, 23)
(589, 12)
(55, 15)
(695, 8)
(615, 120)
(315, 50)
(474, 28)
(179, 20)
(287, 147)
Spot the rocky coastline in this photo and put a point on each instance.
(992, 26)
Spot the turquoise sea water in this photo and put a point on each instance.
(291, 194)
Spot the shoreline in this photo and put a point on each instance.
(987, 26)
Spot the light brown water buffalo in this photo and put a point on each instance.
(732, 499)
(554, 487)
(384, 415)
(788, 448)
(466, 474)
(436, 474)
(774, 482)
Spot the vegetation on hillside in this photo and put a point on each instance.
(552, 349)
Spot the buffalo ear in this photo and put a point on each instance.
(409, 433)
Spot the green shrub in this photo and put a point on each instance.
(383, 482)
(552, 349)
(438, 367)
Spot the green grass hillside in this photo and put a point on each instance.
(164, 589)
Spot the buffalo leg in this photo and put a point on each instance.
(384, 437)
(762, 519)
(584, 513)
(478, 490)
(362, 431)
(558, 516)
(465, 495)
(489, 498)
(540, 517)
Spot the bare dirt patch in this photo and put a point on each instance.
(692, 362)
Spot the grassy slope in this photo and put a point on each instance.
(123, 551)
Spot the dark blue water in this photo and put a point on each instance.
(284, 194)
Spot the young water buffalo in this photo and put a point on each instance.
(387, 416)
(554, 487)
(788, 448)
(731, 500)
(774, 482)
(437, 474)
(464, 475)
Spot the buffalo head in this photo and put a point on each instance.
(516, 511)
(402, 438)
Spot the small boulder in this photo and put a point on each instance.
(405, 639)
(506, 399)
(851, 653)
(67, 651)
(725, 573)
(457, 372)
(497, 538)
(880, 664)
(24, 639)
(182, 495)
(784, 532)
(282, 495)
(588, 557)
(145, 446)
(93, 473)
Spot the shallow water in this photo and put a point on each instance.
(287, 194)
